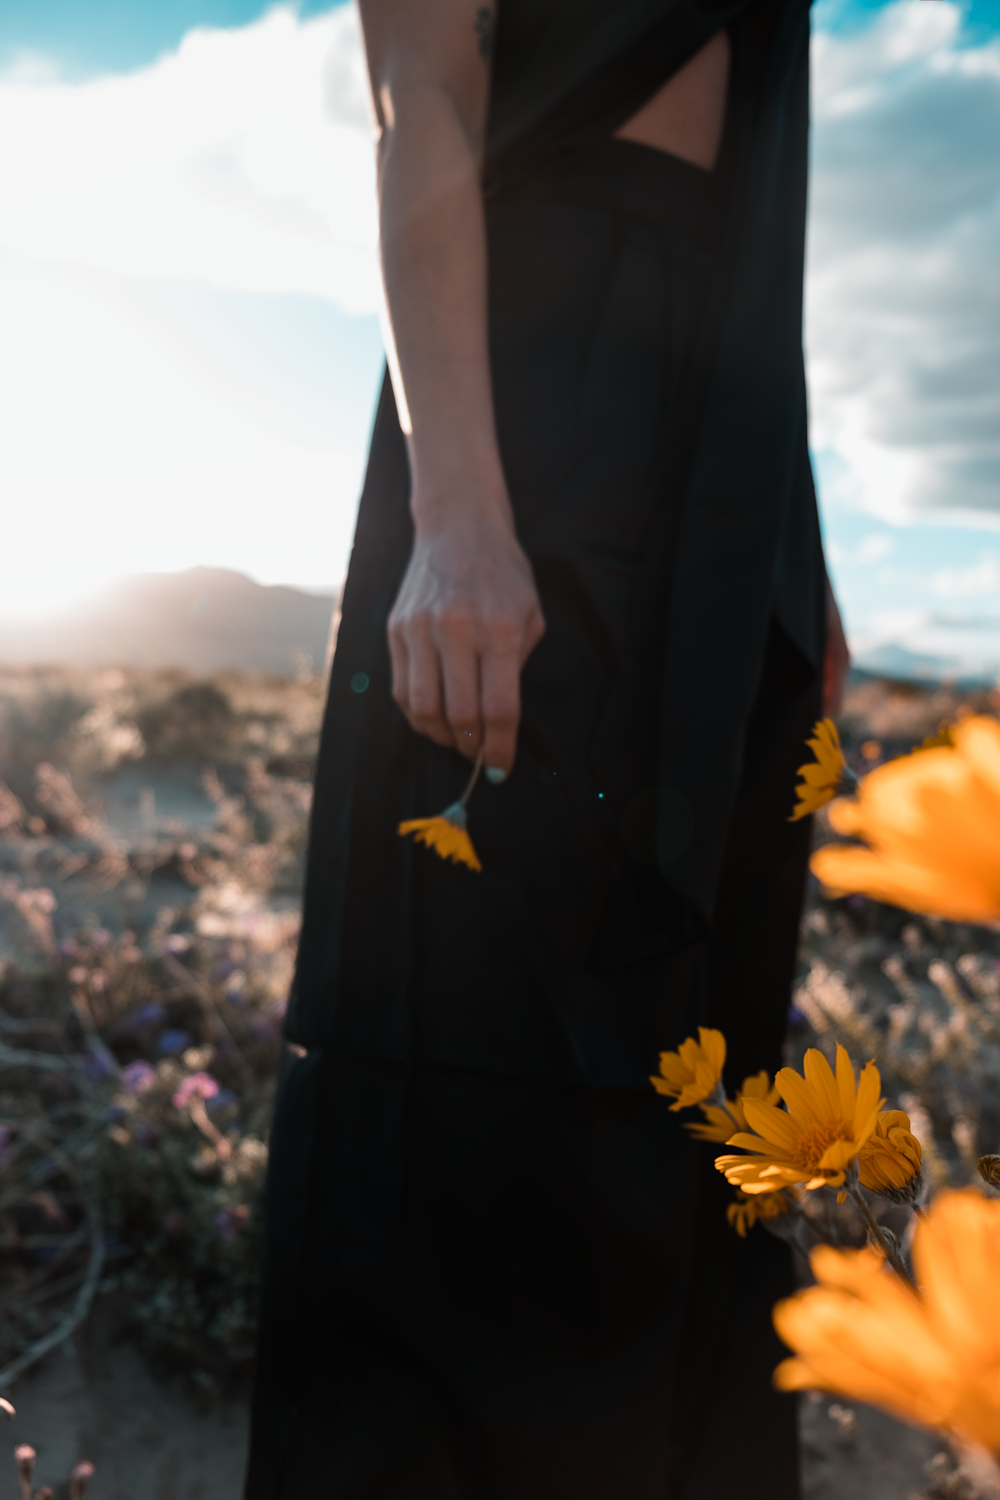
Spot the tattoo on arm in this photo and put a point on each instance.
(484, 31)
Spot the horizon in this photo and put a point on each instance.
(890, 661)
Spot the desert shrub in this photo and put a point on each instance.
(37, 726)
(194, 722)
(178, 1200)
(130, 964)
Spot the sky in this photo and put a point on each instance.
(189, 297)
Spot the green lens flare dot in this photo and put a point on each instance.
(359, 682)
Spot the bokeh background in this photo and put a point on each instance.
(189, 298)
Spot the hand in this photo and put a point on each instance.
(466, 620)
(837, 658)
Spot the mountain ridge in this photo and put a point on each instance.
(199, 620)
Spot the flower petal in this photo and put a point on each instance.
(845, 1083)
(819, 1077)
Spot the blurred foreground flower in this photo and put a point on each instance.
(931, 1357)
(694, 1071)
(827, 776)
(889, 1162)
(827, 1122)
(932, 824)
(747, 1210)
(722, 1119)
(448, 833)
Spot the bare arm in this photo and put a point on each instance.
(467, 615)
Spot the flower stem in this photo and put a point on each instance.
(199, 1115)
(880, 1239)
(472, 779)
(718, 1098)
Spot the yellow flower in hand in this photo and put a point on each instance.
(813, 1142)
(724, 1119)
(889, 1162)
(931, 1357)
(827, 776)
(693, 1072)
(448, 833)
(932, 825)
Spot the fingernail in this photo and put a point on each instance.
(495, 775)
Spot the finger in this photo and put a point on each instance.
(460, 678)
(400, 659)
(424, 701)
(500, 694)
(533, 632)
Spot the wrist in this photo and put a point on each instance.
(460, 499)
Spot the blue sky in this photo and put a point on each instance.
(97, 36)
(88, 37)
(189, 292)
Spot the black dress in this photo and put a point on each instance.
(496, 1266)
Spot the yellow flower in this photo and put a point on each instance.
(692, 1073)
(890, 1159)
(932, 824)
(932, 1357)
(827, 776)
(447, 835)
(828, 1120)
(721, 1121)
(744, 1213)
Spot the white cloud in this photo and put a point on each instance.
(966, 583)
(243, 159)
(117, 457)
(136, 439)
(903, 303)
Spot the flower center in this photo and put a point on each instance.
(815, 1140)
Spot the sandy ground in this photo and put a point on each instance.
(150, 1439)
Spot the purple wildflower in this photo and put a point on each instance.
(171, 1042)
(150, 1014)
(138, 1076)
(223, 1099)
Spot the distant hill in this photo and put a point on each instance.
(202, 620)
(895, 661)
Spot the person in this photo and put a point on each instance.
(587, 558)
